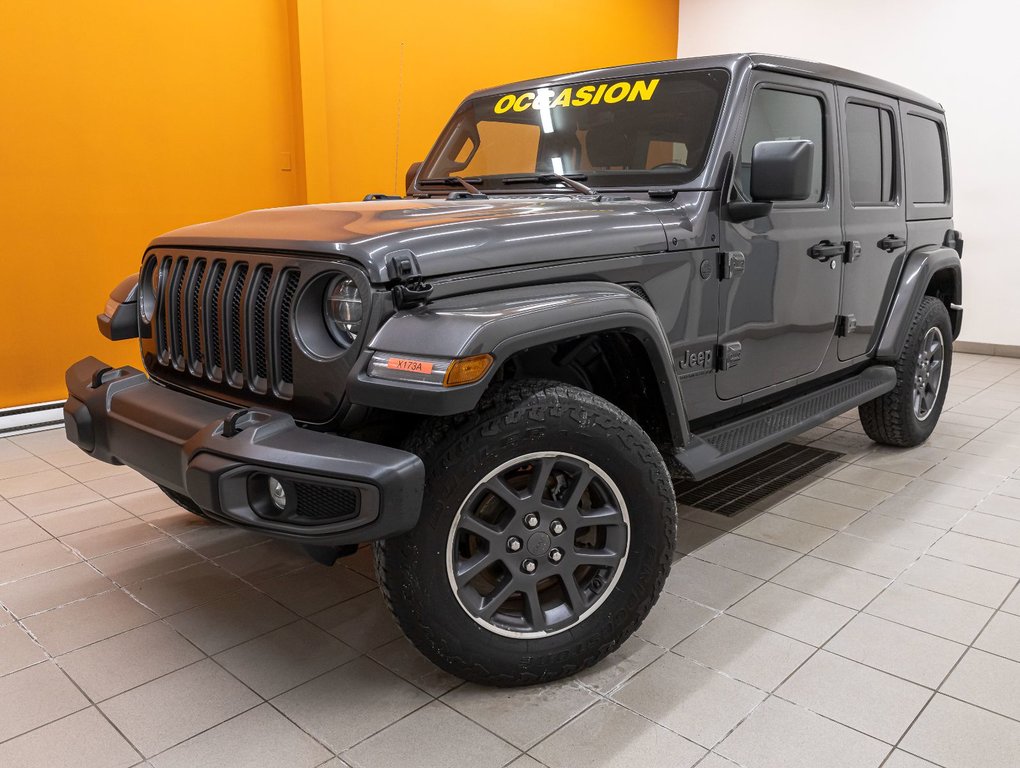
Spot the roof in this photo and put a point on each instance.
(734, 62)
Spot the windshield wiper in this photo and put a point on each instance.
(573, 181)
(450, 180)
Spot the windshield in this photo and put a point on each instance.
(632, 132)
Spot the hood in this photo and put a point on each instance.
(446, 236)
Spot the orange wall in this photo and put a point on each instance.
(123, 119)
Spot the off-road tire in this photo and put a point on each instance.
(890, 419)
(513, 420)
(185, 501)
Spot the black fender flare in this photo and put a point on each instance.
(502, 323)
(921, 265)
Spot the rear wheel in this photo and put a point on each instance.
(907, 415)
(546, 535)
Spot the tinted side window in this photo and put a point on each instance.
(926, 160)
(783, 115)
(870, 145)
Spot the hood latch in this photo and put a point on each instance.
(409, 287)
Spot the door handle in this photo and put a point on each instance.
(891, 243)
(826, 250)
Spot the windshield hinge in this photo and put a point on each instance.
(663, 193)
(409, 286)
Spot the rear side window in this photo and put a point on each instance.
(926, 160)
(778, 115)
(871, 161)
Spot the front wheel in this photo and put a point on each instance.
(907, 415)
(547, 532)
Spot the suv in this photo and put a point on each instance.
(596, 283)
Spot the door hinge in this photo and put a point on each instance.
(845, 325)
(727, 356)
(731, 264)
(852, 252)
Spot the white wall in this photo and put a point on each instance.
(962, 53)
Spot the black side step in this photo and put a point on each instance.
(723, 447)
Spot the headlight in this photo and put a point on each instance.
(344, 310)
(148, 289)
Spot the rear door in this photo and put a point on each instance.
(873, 215)
(780, 310)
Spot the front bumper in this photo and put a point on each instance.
(221, 459)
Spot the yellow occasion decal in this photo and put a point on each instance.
(551, 98)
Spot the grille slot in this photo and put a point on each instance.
(283, 331)
(227, 320)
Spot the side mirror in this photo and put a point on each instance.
(412, 173)
(781, 170)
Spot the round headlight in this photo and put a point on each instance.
(344, 310)
(148, 290)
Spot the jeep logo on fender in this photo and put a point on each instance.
(699, 361)
(550, 98)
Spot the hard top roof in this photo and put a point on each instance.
(734, 62)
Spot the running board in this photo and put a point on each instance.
(723, 447)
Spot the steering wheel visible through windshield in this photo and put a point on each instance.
(631, 133)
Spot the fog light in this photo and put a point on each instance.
(277, 493)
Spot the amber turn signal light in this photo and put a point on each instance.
(467, 370)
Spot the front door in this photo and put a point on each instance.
(781, 309)
(873, 215)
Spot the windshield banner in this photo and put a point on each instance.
(550, 98)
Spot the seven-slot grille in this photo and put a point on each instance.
(227, 321)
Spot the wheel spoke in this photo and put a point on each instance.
(536, 616)
(482, 530)
(495, 599)
(602, 516)
(577, 490)
(504, 492)
(469, 569)
(599, 558)
(577, 602)
(540, 477)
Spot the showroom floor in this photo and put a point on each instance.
(868, 617)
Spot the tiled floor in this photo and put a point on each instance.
(867, 617)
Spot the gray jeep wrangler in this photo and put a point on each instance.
(596, 283)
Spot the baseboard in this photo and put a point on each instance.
(31, 418)
(981, 348)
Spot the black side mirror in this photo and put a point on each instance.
(781, 170)
(409, 177)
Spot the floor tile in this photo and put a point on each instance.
(119, 485)
(87, 621)
(21, 485)
(351, 703)
(127, 660)
(784, 532)
(831, 581)
(619, 666)
(955, 734)
(1001, 636)
(921, 511)
(85, 740)
(58, 498)
(67, 521)
(870, 556)
(53, 588)
(264, 561)
(708, 584)
(609, 736)
(434, 736)
(231, 620)
(991, 527)
(981, 553)
(745, 652)
(185, 588)
(958, 580)
(170, 709)
(1001, 506)
(35, 696)
(402, 658)
(821, 512)
(314, 588)
(20, 533)
(94, 470)
(698, 703)
(930, 612)
(109, 538)
(17, 650)
(259, 737)
(144, 502)
(802, 617)
(779, 734)
(965, 498)
(848, 494)
(34, 558)
(672, 619)
(285, 658)
(217, 540)
(8, 513)
(692, 537)
(866, 699)
(748, 556)
(896, 461)
(987, 681)
(26, 465)
(363, 622)
(903, 651)
(146, 561)
(869, 477)
(176, 520)
(901, 759)
(897, 533)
